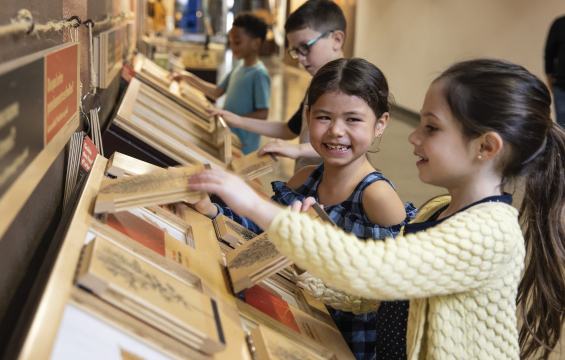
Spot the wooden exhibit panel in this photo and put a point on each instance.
(144, 291)
(185, 95)
(231, 232)
(92, 328)
(252, 166)
(158, 107)
(297, 326)
(269, 345)
(253, 262)
(120, 165)
(43, 330)
(151, 131)
(223, 137)
(171, 215)
(190, 93)
(108, 55)
(208, 264)
(150, 189)
(149, 242)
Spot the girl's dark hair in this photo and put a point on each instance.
(355, 77)
(494, 95)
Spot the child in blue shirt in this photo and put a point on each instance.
(247, 86)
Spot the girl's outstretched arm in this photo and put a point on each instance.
(466, 251)
(469, 250)
(237, 195)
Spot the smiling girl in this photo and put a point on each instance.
(460, 262)
(348, 109)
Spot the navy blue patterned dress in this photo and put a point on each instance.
(359, 331)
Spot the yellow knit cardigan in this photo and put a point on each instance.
(461, 276)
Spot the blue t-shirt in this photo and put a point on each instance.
(247, 88)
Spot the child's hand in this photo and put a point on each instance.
(180, 75)
(281, 148)
(231, 118)
(205, 207)
(298, 206)
(233, 190)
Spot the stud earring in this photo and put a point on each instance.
(480, 156)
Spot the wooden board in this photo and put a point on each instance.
(132, 326)
(297, 326)
(120, 165)
(124, 226)
(208, 264)
(231, 232)
(253, 262)
(269, 345)
(169, 134)
(287, 290)
(159, 79)
(251, 165)
(43, 330)
(142, 290)
(145, 190)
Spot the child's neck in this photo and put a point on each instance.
(338, 182)
(251, 60)
(472, 191)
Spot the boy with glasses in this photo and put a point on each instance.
(316, 33)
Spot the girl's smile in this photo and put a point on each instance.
(342, 128)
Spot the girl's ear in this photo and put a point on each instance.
(381, 124)
(338, 37)
(308, 116)
(489, 145)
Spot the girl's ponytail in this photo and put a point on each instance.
(542, 215)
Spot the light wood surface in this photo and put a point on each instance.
(253, 262)
(251, 165)
(270, 345)
(311, 333)
(43, 330)
(144, 291)
(133, 327)
(120, 165)
(154, 188)
(231, 232)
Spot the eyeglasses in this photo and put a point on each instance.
(304, 49)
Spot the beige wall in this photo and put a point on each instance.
(412, 41)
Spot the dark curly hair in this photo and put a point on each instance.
(253, 25)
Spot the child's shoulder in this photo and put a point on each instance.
(382, 205)
(300, 177)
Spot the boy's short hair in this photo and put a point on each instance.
(319, 15)
(253, 25)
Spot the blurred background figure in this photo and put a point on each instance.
(555, 66)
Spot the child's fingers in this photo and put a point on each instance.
(296, 206)
(207, 187)
(308, 202)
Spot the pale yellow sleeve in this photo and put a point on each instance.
(463, 252)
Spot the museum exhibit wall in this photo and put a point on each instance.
(413, 41)
(23, 245)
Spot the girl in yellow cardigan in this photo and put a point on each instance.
(483, 122)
